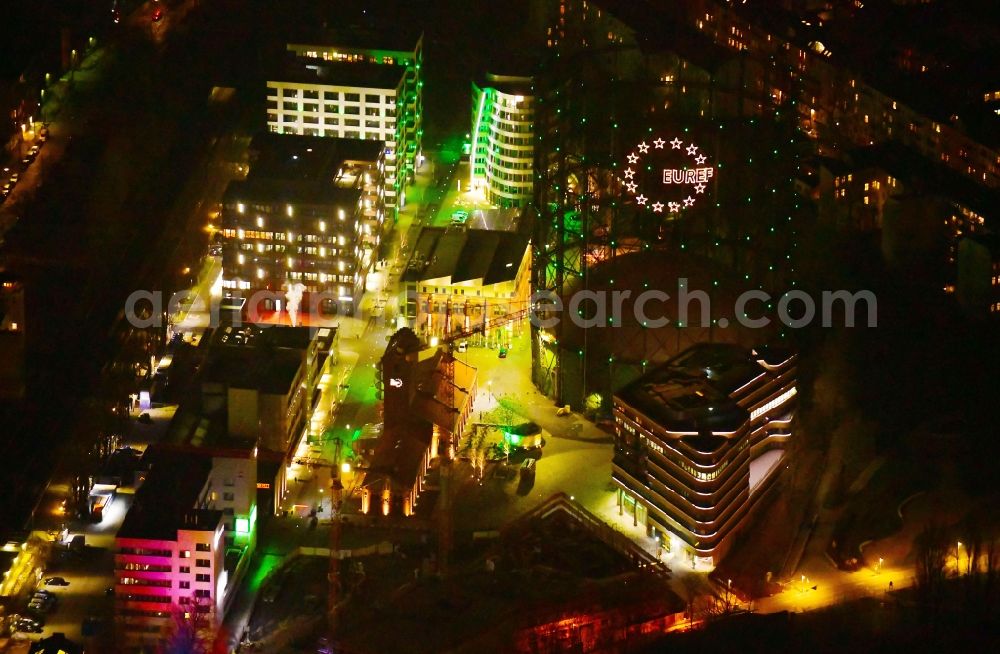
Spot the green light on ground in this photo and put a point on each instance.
(245, 526)
(268, 564)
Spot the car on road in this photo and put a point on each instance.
(502, 354)
(28, 625)
(45, 599)
(459, 217)
(15, 177)
(463, 346)
(56, 581)
(157, 14)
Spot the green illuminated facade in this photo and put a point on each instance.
(502, 151)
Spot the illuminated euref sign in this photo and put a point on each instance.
(667, 176)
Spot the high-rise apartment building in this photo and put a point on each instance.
(310, 212)
(355, 84)
(502, 155)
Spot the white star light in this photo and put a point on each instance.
(644, 147)
(700, 159)
(676, 143)
(632, 158)
(674, 207)
(691, 149)
(688, 201)
(699, 188)
(629, 173)
(658, 143)
(658, 207)
(631, 186)
(641, 199)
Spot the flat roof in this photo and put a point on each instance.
(362, 75)
(252, 335)
(692, 391)
(514, 82)
(359, 24)
(280, 191)
(271, 371)
(165, 503)
(307, 158)
(465, 254)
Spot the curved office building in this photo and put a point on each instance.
(699, 441)
(502, 154)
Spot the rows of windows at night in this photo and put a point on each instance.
(696, 474)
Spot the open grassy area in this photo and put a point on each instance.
(873, 512)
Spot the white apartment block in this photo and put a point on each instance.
(350, 90)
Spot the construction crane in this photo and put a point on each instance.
(336, 502)
(448, 359)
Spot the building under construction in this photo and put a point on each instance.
(556, 579)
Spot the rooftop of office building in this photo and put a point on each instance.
(294, 157)
(292, 169)
(514, 80)
(465, 255)
(693, 392)
(356, 24)
(165, 503)
(365, 75)
(254, 335)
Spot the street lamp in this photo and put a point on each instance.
(958, 556)
(880, 564)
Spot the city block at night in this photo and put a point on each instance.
(529, 326)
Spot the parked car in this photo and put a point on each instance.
(463, 346)
(29, 625)
(14, 178)
(56, 581)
